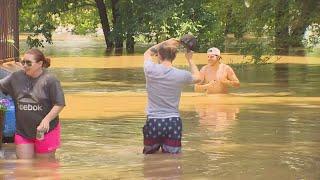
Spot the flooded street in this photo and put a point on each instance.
(266, 129)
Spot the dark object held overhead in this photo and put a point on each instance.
(189, 41)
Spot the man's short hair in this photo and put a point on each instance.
(167, 52)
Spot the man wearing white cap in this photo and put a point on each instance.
(216, 77)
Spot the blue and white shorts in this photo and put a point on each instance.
(162, 132)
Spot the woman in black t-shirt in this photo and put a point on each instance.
(39, 99)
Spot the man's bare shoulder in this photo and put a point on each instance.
(204, 68)
(226, 66)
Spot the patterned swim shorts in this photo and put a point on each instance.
(164, 133)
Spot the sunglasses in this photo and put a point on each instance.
(27, 62)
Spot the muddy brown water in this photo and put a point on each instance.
(266, 129)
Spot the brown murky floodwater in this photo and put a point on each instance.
(267, 129)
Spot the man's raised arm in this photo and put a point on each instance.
(193, 68)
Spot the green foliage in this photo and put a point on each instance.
(212, 33)
(41, 17)
(256, 51)
(272, 23)
(312, 36)
(152, 18)
(83, 20)
(38, 21)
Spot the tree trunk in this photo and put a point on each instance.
(117, 27)
(105, 23)
(227, 28)
(282, 28)
(130, 30)
(130, 43)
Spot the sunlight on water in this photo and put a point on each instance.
(267, 129)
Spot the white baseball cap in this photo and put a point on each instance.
(213, 51)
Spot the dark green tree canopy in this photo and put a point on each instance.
(271, 24)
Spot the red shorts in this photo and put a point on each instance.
(50, 142)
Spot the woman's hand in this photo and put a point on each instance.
(43, 126)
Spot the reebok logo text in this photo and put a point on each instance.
(30, 107)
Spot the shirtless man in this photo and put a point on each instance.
(216, 77)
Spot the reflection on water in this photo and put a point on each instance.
(267, 129)
(66, 45)
(26, 169)
(216, 117)
(162, 166)
(75, 45)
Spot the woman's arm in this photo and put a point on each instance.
(54, 112)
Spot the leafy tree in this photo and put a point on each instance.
(270, 23)
(37, 21)
(284, 22)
